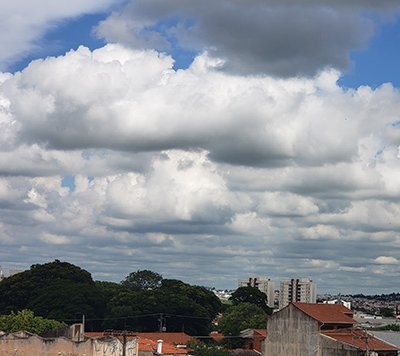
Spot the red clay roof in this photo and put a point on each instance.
(216, 336)
(262, 332)
(167, 349)
(327, 313)
(177, 338)
(358, 338)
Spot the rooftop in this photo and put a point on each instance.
(327, 313)
(360, 339)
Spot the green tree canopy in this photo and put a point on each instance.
(239, 317)
(55, 290)
(386, 312)
(181, 306)
(142, 280)
(25, 320)
(251, 295)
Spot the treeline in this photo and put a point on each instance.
(381, 297)
(144, 301)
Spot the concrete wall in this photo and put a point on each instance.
(331, 347)
(22, 344)
(291, 332)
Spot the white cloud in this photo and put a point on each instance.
(283, 38)
(387, 260)
(220, 170)
(54, 239)
(23, 23)
(274, 122)
(321, 264)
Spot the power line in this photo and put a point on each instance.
(143, 316)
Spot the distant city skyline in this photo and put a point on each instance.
(204, 140)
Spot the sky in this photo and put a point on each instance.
(206, 141)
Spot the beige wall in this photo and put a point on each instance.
(291, 332)
(331, 347)
(23, 344)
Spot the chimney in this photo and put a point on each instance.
(159, 346)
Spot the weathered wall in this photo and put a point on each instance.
(22, 344)
(14, 344)
(291, 332)
(331, 347)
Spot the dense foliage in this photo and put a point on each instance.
(251, 295)
(142, 280)
(142, 302)
(240, 317)
(381, 297)
(392, 327)
(56, 290)
(386, 312)
(26, 320)
(181, 307)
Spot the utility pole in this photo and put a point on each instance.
(162, 323)
(124, 335)
(366, 339)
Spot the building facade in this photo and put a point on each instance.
(303, 329)
(297, 290)
(264, 284)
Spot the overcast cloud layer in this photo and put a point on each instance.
(281, 38)
(115, 161)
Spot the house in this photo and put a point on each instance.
(154, 343)
(254, 339)
(179, 339)
(360, 340)
(24, 343)
(302, 329)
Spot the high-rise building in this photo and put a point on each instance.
(265, 285)
(297, 290)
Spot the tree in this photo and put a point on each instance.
(239, 317)
(142, 280)
(251, 295)
(25, 320)
(386, 312)
(55, 290)
(179, 305)
(392, 327)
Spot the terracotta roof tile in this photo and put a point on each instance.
(327, 313)
(262, 332)
(216, 336)
(167, 349)
(358, 338)
(177, 338)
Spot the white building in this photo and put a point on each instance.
(338, 301)
(265, 285)
(297, 290)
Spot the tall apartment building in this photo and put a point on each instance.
(297, 290)
(265, 285)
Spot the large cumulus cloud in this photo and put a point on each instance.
(132, 100)
(194, 171)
